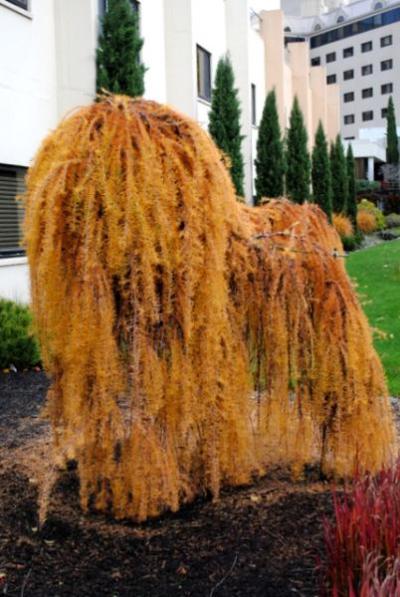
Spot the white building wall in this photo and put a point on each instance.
(28, 108)
(14, 279)
(152, 16)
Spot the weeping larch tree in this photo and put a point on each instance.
(192, 342)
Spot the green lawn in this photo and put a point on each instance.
(377, 273)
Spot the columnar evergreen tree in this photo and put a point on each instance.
(297, 157)
(392, 149)
(224, 121)
(339, 177)
(270, 163)
(321, 172)
(351, 187)
(119, 67)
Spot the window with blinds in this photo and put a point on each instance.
(11, 213)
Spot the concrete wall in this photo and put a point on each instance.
(14, 279)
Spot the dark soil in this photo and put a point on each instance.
(254, 542)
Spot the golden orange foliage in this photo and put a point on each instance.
(342, 225)
(366, 221)
(192, 341)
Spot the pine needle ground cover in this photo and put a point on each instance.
(192, 342)
(376, 272)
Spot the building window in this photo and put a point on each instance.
(366, 47)
(331, 57)
(348, 74)
(387, 64)
(369, 92)
(340, 19)
(367, 70)
(387, 88)
(315, 61)
(20, 3)
(349, 119)
(378, 6)
(11, 213)
(369, 115)
(356, 27)
(386, 41)
(348, 97)
(203, 73)
(348, 52)
(253, 104)
(384, 112)
(331, 79)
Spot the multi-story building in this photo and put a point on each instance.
(359, 45)
(47, 68)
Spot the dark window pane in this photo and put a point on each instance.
(387, 64)
(349, 97)
(369, 115)
(331, 57)
(11, 213)
(366, 46)
(349, 119)
(203, 73)
(387, 88)
(19, 3)
(384, 112)
(369, 92)
(386, 41)
(367, 70)
(347, 52)
(331, 79)
(253, 104)
(348, 74)
(316, 61)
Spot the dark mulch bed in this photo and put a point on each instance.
(258, 541)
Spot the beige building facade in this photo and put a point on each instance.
(288, 71)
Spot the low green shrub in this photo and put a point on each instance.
(18, 345)
(393, 221)
(366, 185)
(371, 208)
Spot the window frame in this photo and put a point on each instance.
(20, 4)
(389, 62)
(12, 183)
(346, 100)
(386, 37)
(365, 72)
(316, 61)
(349, 116)
(330, 57)
(390, 90)
(349, 49)
(363, 116)
(253, 104)
(365, 95)
(200, 51)
(346, 72)
(364, 45)
(331, 79)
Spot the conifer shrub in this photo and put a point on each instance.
(192, 341)
(18, 345)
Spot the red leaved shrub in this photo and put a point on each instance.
(363, 541)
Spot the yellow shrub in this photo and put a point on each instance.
(366, 221)
(343, 225)
(191, 341)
